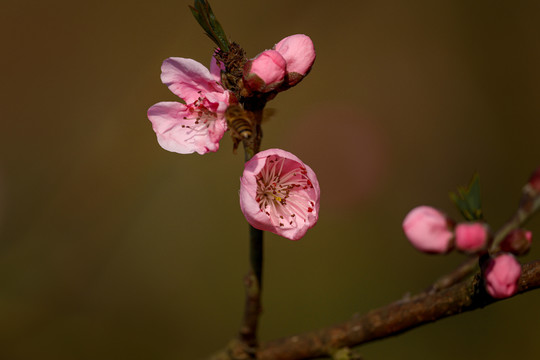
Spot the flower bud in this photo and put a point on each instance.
(471, 237)
(534, 181)
(299, 53)
(502, 275)
(265, 72)
(428, 230)
(518, 242)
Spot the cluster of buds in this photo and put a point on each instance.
(278, 193)
(431, 231)
(285, 65)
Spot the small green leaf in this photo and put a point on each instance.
(467, 200)
(205, 17)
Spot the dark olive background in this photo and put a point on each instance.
(113, 248)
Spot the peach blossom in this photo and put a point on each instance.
(280, 194)
(199, 124)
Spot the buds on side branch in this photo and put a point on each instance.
(431, 231)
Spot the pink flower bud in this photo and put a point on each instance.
(428, 230)
(280, 194)
(471, 237)
(501, 276)
(299, 52)
(518, 242)
(534, 180)
(265, 72)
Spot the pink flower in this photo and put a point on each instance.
(199, 125)
(471, 237)
(428, 230)
(501, 276)
(265, 72)
(299, 53)
(280, 194)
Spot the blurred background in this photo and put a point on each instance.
(113, 248)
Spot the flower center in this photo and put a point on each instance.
(283, 191)
(201, 114)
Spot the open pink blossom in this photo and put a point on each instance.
(471, 237)
(299, 53)
(280, 194)
(199, 125)
(428, 230)
(501, 276)
(265, 72)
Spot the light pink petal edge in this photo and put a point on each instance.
(188, 79)
(298, 51)
(167, 119)
(250, 207)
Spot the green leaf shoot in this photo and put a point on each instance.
(205, 17)
(468, 201)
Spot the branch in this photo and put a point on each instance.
(247, 344)
(393, 319)
(253, 284)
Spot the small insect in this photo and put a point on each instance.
(239, 123)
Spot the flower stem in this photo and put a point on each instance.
(253, 280)
(256, 251)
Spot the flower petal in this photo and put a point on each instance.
(179, 131)
(502, 275)
(298, 51)
(427, 230)
(291, 209)
(215, 69)
(188, 79)
(265, 72)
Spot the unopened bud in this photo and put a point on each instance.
(502, 275)
(518, 242)
(534, 181)
(265, 72)
(471, 237)
(428, 230)
(299, 53)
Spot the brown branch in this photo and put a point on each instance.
(247, 344)
(464, 270)
(392, 319)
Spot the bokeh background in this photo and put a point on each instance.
(113, 248)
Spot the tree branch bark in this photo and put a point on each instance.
(392, 319)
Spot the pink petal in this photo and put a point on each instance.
(177, 131)
(292, 228)
(471, 236)
(188, 79)
(298, 51)
(427, 230)
(265, 72)
(215, 69)
(502, 275)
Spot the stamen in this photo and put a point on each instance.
(282, 195)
